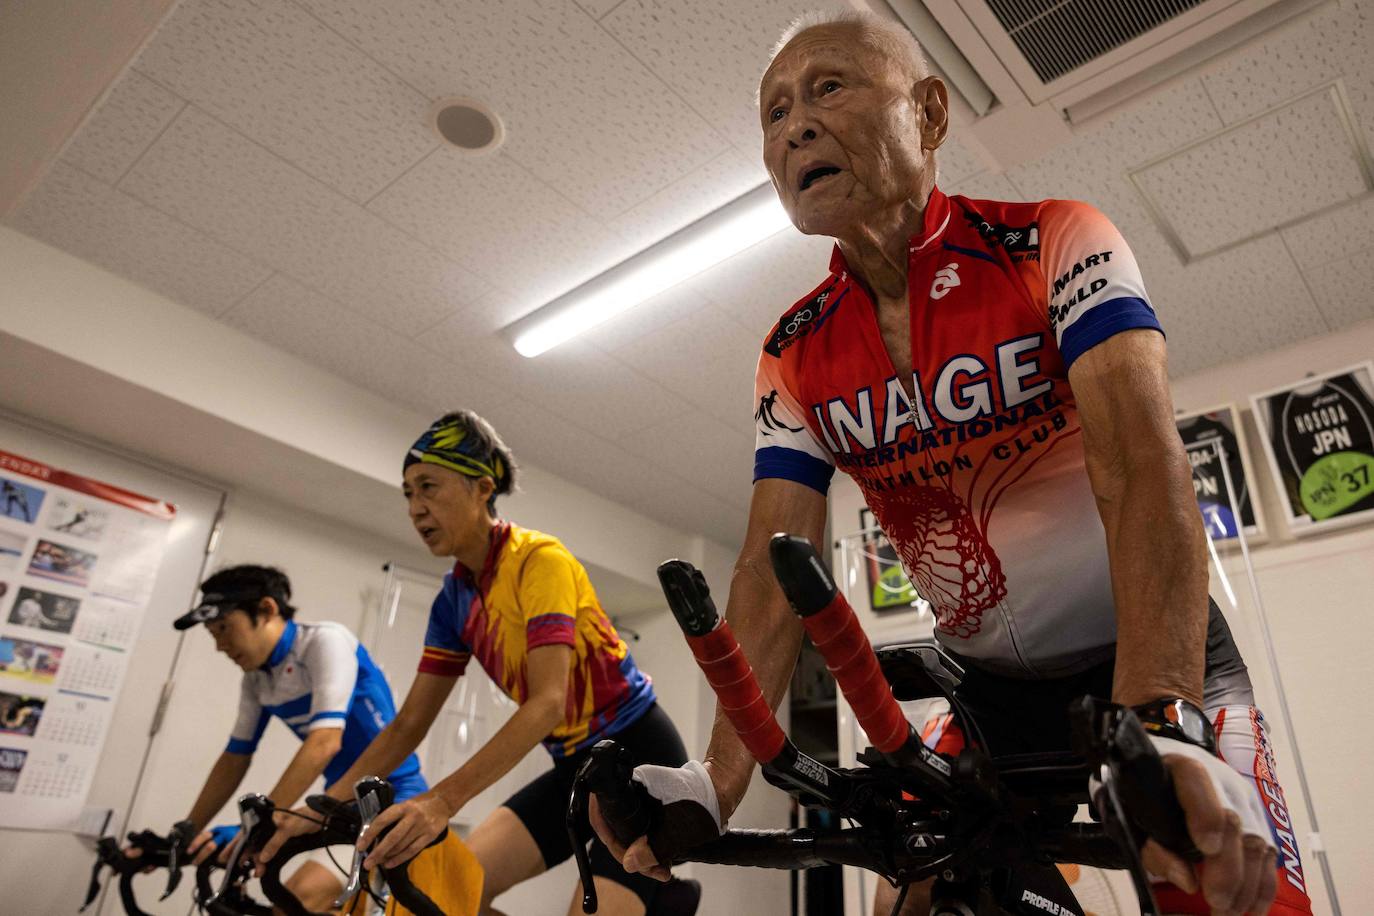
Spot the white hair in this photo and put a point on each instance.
(888, 30)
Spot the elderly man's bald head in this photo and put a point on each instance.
(890, 39)
(851, 121)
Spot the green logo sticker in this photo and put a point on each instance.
(1335, 483)
(892, 589)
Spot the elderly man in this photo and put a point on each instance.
(993, 377)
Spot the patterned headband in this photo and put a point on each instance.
(448, 444)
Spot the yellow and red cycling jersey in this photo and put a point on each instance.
(531, 593)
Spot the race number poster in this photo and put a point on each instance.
(889, 588)
(78, 559)
(1319, 437)
(1215, 450)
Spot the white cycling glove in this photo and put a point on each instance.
(691, 811)
(688, 784)
(1233, 790)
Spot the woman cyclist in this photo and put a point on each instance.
(520, 603)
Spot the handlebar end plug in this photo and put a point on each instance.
(805, 581)
(688, 596)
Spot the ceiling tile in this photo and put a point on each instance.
(117, 133)
(1243, 301)
(87, 218)
(598, 393)
(694, 195)
(294, 318)
(213, 178)
(598, 8)
(984, 186)
(668, 307)
(489, 211)
(702, 450)
(579, 382)
(1278, 167)
(1150, 125)
(1093, 166)
(276, 74)
(717, 71)
(474, 337)
(547, 440)
(580, 111)
(1344, 289)
(1312, 50)
(1331, 236)
(757, 285)
(697, 358)
(956, 162)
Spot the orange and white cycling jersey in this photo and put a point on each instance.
(979, 479)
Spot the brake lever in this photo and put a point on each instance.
(373, 795)
(105, 849)
(608, 772)
(255, 810)
(577, 809)
(177, 838)
(1135, 798)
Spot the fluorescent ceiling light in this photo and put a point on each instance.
(745, 221)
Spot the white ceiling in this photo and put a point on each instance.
(268, 162)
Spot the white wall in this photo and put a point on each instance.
(1318, 594)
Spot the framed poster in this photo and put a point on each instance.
(1207, 435)
(1319, 437)
(888, 587)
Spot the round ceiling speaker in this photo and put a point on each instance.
(467, 124)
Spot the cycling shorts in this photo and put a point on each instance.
(542, 804)
(1019, 716)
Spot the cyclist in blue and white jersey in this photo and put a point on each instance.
(317, 679)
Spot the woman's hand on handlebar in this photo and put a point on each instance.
(288, 825)
(1237, 873)
(413, 824)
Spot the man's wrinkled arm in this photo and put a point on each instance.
(1155, 541)
(768, 631)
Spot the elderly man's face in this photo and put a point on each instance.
(843, 129)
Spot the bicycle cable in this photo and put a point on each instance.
(901, 899)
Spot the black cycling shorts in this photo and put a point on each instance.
(542, 805)
(1018, 716)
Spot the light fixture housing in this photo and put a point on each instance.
(745, 221)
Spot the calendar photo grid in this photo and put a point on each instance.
(78, 560)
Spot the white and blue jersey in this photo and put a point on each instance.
(320, 676)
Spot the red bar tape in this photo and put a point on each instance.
(731, 677)
(849, 656)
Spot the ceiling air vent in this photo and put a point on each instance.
(1065, 52)
(1058, 36)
